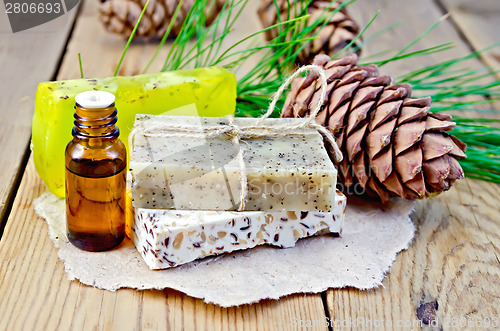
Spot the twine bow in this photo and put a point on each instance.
(252, 131)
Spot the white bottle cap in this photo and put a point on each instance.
(95, 99)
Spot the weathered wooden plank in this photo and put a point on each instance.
(453, 260)
(33, 285)
(26, 58)
(36, 294)
(413, 20)
(478, 21)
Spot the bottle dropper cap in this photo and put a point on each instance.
(95, 99)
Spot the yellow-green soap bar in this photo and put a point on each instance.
(212, 90)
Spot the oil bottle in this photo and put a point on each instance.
(95, 175)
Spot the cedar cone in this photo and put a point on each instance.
(120, 16)
(340, 30)
(392, 144)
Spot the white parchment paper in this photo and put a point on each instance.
(360, 258)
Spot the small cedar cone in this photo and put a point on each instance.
(340, 30)
(120, 16)
(392, 144)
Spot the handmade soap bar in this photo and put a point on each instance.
(167, 238)
(203, 92)
(179, 170)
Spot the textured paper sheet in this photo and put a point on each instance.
(360, 258)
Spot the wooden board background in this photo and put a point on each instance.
(453, 260)
(26, 58)
(452, 267)
(478, 22)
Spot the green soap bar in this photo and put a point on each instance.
(208, 92)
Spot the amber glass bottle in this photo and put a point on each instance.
(95, 175)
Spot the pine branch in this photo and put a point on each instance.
(448, 83)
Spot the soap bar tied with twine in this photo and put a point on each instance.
(240, 133)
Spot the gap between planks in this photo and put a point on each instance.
(486, 58)
(478, 21)
(36, 294)
(181, 311)
(9, 199)
(453, 260)
(64, 27)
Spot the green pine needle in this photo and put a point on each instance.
(426, 32)
(81, 67)
(448, 83)
(165, 36)
(130, 38)
(346, 47)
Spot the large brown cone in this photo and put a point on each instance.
(120, 16)
(340, 30)
(392, 144)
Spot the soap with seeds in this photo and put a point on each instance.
(173, 169)
(168, 238)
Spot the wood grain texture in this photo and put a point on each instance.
(413, 19)
(35, 293)
(478, 21)
(452, 268)
(452, 262)
(26, 58)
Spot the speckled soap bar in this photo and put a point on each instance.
(167, 238)
(291, 172)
